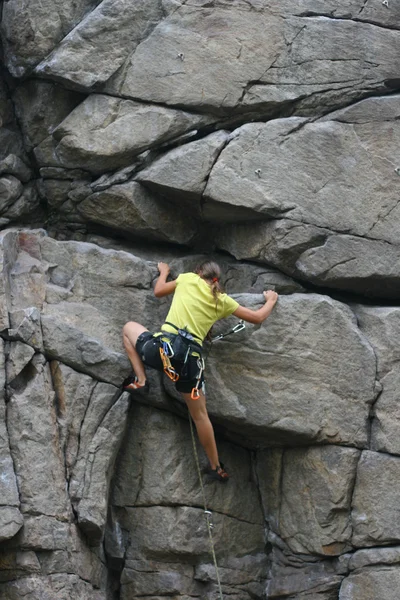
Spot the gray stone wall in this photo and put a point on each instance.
(265, 134)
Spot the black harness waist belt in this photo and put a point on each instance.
(183, 332)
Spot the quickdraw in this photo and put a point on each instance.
(195, 394)
(239, 327)
(166, 352)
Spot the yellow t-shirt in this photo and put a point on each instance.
(195, 308)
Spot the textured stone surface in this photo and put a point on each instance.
(101, 451)
(295, 384)
(40, 107)
(374, 516)
(258, 56)
(369, 584)
(150, 472)
(105, 133)
(60, 586)
(300, 577)
(382, 325)
(17, 359)
(333, 184)
(338, 175)
(95, 49)
(131, 209)
(374, 556)
(44, 493)
(182, 173)
(44, 24)
(149, 475)
(364, 266)
(307, 495)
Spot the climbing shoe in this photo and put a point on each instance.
(219, 474)
(131, 385)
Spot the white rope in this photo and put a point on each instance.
(207, 513)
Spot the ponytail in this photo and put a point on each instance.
(211, 272)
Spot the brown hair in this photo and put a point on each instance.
(211, 272)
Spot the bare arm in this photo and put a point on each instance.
(163, 287)
(259, 315)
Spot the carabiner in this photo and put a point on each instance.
(195, 395)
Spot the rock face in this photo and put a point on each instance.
(263, 135)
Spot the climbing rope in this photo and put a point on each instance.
(207, 513)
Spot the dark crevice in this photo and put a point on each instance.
(199, 507)
(312, 15)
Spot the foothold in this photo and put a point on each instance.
(181, 55)
(258, 172)
(397, 170)
(385, 3)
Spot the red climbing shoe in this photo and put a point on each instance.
(131, 385)
(219, 474)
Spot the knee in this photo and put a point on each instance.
(199, 414)
(128, 327)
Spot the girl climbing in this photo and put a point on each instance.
(197, 304)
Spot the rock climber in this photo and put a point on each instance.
(198, 302)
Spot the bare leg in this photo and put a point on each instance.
(205, 431)
(130, 334)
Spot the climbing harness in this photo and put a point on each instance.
(184, 345)
(207, 513)
(181, 347)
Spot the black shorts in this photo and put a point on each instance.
(148, 347)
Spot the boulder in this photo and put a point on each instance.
(369, 584)
(40, 107)
(13, 165)
(307, 496)
(29, 35)
(58, 586)
(260, 57)
(368, 557)
(34, 439)
(374, 515)
(301, 578)
(19, 356)
(11, 519)
(317, 255)
(10, 190)
(131, 209)
(105, 133)
(330, 174)
(381, 326)
(101, 42)
(181, 174)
